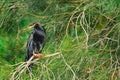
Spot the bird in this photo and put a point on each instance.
(36, 41)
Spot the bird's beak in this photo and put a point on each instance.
(31, 26)
(27, 28)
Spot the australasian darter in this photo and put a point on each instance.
(36, 41)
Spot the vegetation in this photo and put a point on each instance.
(85, 32)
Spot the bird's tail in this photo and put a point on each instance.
(29, 69)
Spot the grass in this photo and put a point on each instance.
(85, 32)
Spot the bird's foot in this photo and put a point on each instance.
(37, 56)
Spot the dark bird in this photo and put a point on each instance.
(36, 41)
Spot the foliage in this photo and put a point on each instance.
(86, 32)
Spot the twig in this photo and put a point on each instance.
(74, 75)
(50, 55)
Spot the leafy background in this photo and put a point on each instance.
(86, 32)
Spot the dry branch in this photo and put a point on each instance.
(23, 66)
(50, 55)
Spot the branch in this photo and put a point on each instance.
(51, 55)
(22, 66)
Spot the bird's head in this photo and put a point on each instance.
(34, 25)
(37, 26)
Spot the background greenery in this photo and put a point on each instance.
(86, 32)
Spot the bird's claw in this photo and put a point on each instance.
(37, 56)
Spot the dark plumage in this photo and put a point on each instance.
(36, 40)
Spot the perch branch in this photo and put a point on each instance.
(50, 55)
(22, 66)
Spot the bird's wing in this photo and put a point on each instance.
(30, 47)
